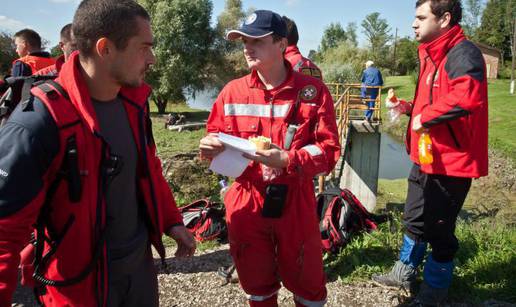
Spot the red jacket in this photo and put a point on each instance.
(300, 63)
(21, 202)
(52, 70)
(36, 62)
(451, 97)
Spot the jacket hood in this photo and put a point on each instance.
(72, 80)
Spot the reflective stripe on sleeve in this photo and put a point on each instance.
(258, 110)
(313, 150)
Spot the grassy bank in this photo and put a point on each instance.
(486, 262)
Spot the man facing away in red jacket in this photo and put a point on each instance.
(292, 54)
(32, 58)
(450, 104)
(67, 46)
(79, 162)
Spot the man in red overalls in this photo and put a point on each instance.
(273, 228)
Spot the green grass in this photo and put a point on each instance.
(173, 142)
(485, 263)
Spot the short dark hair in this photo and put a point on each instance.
(31, 37)
(292, 34)
(113, 19)
(66, 33)
(276, 38)
(440, 7)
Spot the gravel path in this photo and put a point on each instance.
(194, 282)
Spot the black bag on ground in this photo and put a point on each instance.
(205, 220)
(341, 215)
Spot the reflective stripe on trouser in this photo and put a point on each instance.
(267, 250)
(260, 298)
(308, 303)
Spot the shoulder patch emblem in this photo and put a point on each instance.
(308, 92)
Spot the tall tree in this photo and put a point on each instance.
(229, 19)
(351, 32)
(472, 14)
(182, 41)
(332, 36)
(377, 32)
(406, 55)
(7, 53)
(495, 28)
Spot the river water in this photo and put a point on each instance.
(394, 161)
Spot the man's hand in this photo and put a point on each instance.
(416, 124)
(274, 157)
(184, 239)
(210, 146)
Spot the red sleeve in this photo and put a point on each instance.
(216, 119)
(14, 236)
(321, 156)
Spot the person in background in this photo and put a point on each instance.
(451, 106)
(370, 77)
(67, 45)
(32, 58)
(293, 55)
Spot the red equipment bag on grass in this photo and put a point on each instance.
(341, 215)
(205, 220)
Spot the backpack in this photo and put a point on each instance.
(205, 220)
(341, 215)
(18, 89)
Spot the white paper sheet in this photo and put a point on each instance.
(230, 162)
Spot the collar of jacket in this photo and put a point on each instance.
(254, 80)
(291, 51)
(439, 47)
(59, 62)
(72, 81)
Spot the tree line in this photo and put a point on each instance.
(193, 55)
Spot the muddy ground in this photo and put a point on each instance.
(194, 282)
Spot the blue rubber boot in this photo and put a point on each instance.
(437, 277)
(404, 272)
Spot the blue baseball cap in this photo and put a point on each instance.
(260, 24)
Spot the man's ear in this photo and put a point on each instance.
(103, 47)
(445, 20)
(61, 46)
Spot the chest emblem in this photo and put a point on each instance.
(308, 92)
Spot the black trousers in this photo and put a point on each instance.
(431, 209)
(136, 288)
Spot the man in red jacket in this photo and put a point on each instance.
(32, 58)
(79, 162)
(273, 227)
(67, 46)
(451, 105)
(292, 54)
